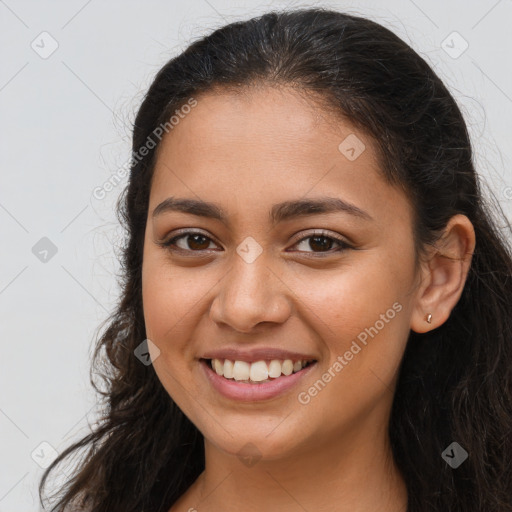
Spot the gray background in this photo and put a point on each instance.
(66, 128)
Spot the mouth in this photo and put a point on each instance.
(259, 380)
(257, 372)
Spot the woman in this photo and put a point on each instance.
(321, 290)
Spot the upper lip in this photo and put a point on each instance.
(256, 354)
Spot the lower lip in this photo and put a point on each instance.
(253, 392)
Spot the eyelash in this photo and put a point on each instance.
(342, 244)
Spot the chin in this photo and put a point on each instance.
(267, 439)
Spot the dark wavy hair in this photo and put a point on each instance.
(455, 382)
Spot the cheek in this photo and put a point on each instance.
(170, 318)
(170, 299)
(362, 350)
(342, 304)
(360, 314)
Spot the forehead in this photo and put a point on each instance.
(268, 145)
(276, 119)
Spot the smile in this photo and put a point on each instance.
(258, 371)
(255, 381)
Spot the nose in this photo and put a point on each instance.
(250, 294)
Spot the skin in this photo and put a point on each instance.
(247, 152)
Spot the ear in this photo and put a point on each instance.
(444, 274)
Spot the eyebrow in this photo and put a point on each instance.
(280, 212)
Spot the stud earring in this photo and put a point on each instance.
(428, 318)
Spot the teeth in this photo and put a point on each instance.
(274, 369)
(241, 370)
(259, 371)
(218, 367)
(228, 368)
(287, 367)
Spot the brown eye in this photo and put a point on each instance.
(190, 241)
(320, 243)
(198, 242)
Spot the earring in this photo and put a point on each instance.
(428, 318)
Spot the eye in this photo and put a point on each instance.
(324, 242)
(198, 242)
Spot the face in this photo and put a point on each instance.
(262, 282)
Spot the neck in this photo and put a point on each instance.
(350, 475)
